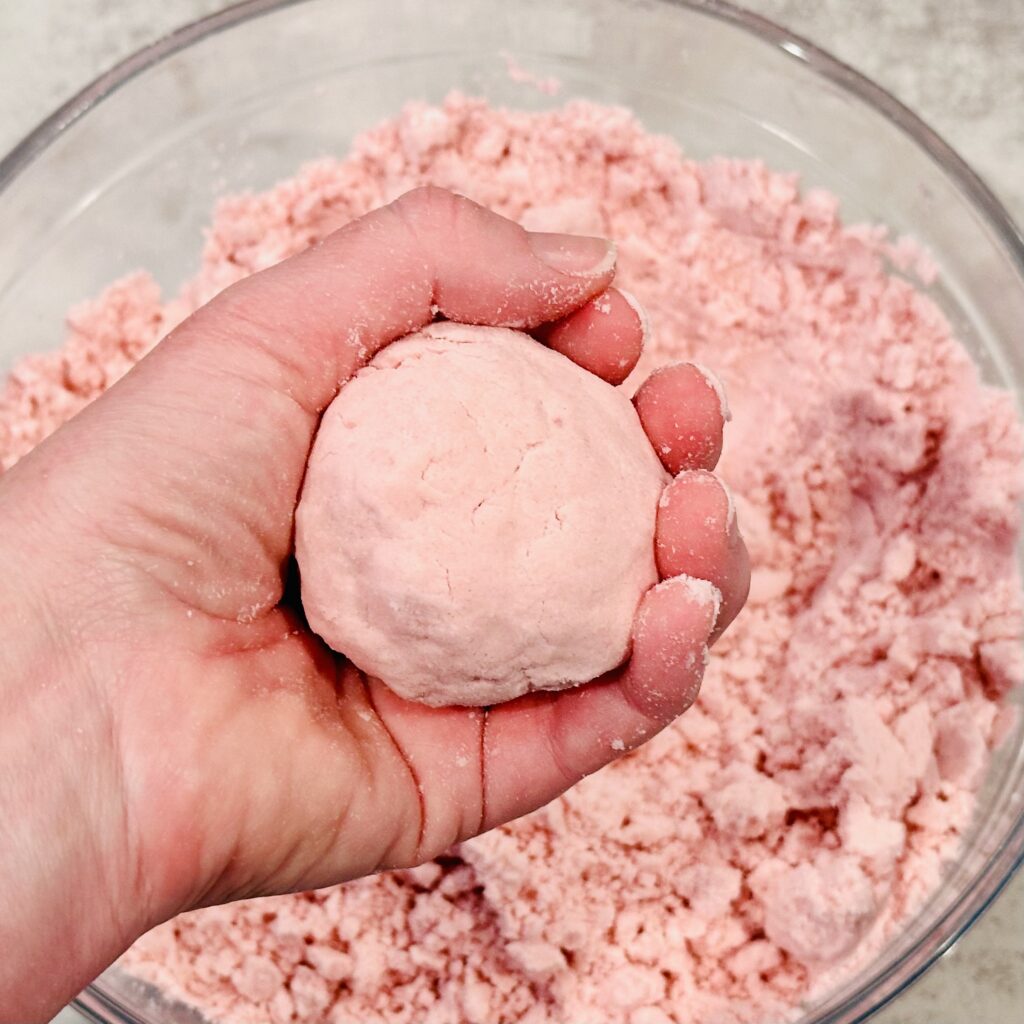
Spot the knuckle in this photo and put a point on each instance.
(426, 202)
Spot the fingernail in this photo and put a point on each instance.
(641, 314)
(705, 475)
(715, 383)
(577, 255)
(730, 516)
(703, 593)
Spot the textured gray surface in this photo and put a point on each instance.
(955, 62)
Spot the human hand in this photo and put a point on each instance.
(174, 735)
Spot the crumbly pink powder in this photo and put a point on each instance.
(788, 824)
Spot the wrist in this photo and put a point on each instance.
(68, 903)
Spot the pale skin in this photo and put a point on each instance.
(173, 735)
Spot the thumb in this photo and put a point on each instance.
(196, 456)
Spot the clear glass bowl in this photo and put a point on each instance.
(125, 174)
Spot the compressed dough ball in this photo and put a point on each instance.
(477, 519)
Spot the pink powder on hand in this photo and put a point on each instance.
(800, 812)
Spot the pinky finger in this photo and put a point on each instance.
(540, 745)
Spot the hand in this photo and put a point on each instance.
(173, 736)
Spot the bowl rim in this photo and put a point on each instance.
(797, 47)
(1001, 865)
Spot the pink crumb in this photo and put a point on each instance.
(784, 828)
(547, 86)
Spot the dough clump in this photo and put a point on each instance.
(477, 519)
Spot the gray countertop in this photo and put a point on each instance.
(956, 62)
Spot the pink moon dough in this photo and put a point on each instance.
(477, 519)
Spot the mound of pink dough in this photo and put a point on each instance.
(477, 519)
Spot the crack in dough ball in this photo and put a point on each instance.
(477, 519)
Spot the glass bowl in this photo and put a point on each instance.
(125, 174)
